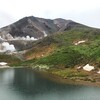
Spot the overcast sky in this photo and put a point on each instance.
(82, 11)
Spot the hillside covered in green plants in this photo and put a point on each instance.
(66, 51)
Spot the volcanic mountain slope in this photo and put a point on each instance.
(36, 27)
(33, 28)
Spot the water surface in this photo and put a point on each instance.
(25, 84)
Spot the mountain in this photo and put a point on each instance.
(24, 32)
(71, 42)
(36, 28)
(61, 47)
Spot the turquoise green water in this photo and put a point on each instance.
(24, 84)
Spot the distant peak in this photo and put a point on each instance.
(59, 19)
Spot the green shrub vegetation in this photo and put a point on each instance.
(67, 54)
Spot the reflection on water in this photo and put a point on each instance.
(6, 76)
(24, 84)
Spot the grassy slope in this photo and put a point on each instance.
(59, 50)
(69, 55)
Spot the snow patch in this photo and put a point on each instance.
(88, 67)
(98, 72)
(79, 67)
(3, 63)
(44, 33)
(79, 42)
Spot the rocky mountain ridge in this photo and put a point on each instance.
(34, 28)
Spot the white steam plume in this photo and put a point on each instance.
(7, 47)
